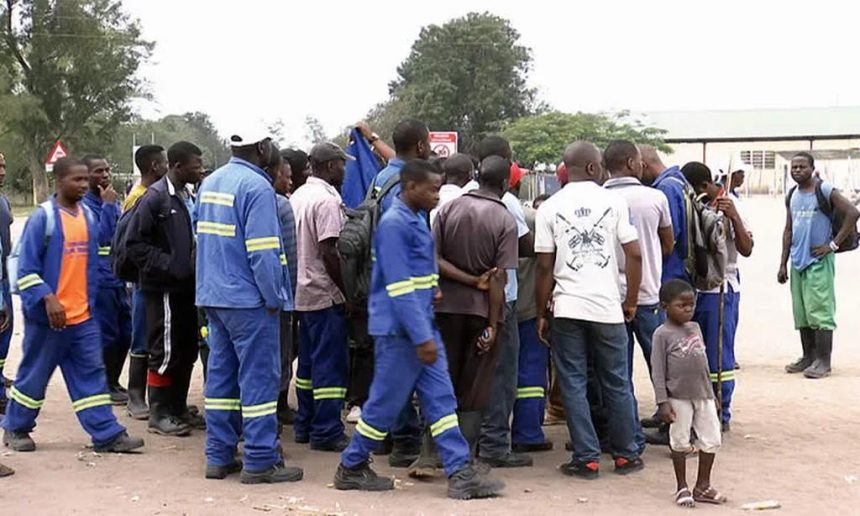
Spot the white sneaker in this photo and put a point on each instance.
(354, 415)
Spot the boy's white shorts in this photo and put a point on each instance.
(700, 415)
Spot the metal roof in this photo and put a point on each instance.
(755, 124)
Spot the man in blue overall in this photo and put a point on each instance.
(57, 279)
(409, 352)
(242, 285)
(113, 310)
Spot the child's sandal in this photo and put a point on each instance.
(683, 498)
(709, 495)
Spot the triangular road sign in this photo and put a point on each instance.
(57, 152)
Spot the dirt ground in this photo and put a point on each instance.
(793, 440)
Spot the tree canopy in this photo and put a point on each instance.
(542, 138)
(467, 75)
(70, 73)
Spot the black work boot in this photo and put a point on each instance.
(468, 483)
(222, 472)
(121, 444)
(361, 478)
(161, 420)
(425, 465)
(137, 366)
(277, 473)
(820, 368)
(19, 441)
(807, 340)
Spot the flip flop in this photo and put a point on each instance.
(709, 495)
(683, 498)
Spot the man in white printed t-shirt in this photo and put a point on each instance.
(576, 234)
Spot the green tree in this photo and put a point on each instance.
(542, 138)
(72, 72)
(467, 75)
(196, 128)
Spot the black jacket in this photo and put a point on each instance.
(160, 241)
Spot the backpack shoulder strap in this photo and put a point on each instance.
(391, 183)
(823, 202)
(50, 223)
(789, 196)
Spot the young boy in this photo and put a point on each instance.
(682, 387)
(410, 355)
(57, 281)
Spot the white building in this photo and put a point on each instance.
(766, 140)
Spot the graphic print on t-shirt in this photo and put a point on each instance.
(588, 242)
(689, 346)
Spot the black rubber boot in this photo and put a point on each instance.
(469, 483)
(110, 355)
(403, 456)
(204, 359)
(179, 401)
(137, 408)
(807, 340)
(470, 426)
(820, 368)
(161, 420)
(361, 478)
(425, 465)
(285, 413)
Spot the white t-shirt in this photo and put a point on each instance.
(583, 224)
(447, 194)
(649, 209)
(516, 210)
(733, 277)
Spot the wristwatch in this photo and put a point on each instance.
(834, 246)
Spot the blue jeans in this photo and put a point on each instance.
(495, 441)
(573, 340)
(139, 346)
(648, 319)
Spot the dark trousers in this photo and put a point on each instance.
(472, 374)
(287, 356)
(171, 321)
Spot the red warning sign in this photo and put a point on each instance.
(57, 152)
(443, 143)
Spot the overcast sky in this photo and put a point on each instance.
(262, 60)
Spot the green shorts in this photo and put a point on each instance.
(813, 295)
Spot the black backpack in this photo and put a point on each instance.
(836, 217)
(123, 267)
(355, 244)
(707, 254)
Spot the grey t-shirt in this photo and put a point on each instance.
(679, 363)
(649, 212)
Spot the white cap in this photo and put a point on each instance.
(248, 138)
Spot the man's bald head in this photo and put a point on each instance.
(652, 164)
(583, 161)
